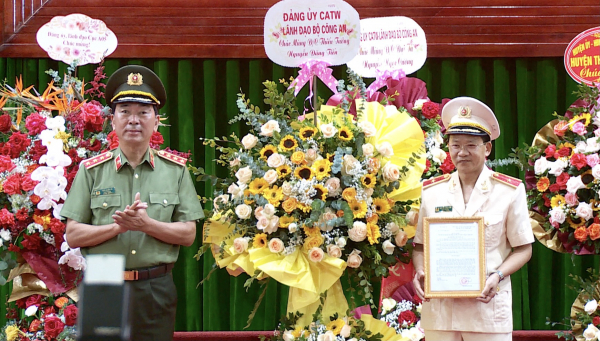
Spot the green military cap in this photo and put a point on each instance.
(135, 83)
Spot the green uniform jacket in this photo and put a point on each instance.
(107, 183)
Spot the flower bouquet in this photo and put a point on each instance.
(404, 316)
(563, 177)
(309, 196)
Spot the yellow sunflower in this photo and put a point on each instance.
(258, 185)
(587, 177)
(595, 204)
(575, 222)
(557, 200)
(382, 206)
(322, 168)
(283, 171)
(311, 231)
(246, 195)
(260, 240)
(288, 143)
(373, 233)
(369, 180)
(285, 221)
(349, 194)
(336, 326)
(345, 134)
(297, 158)
(274, 195)
(304, 208)
(321, 192)
(267, 151)
(304, 172)
(359, 208)
(585, 117)
(307, 133)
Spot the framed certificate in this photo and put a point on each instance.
(454, 257)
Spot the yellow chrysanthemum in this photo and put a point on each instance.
(369, 180)
(373, 233)
(359, 208)
(349, 194)
(267, 151)
(246, 195)
(382, 206)
(557, 200)
(285, 221)
(274, 195)
(12, 332)
(304, 172)
(288, 143)
(322, 168)
(307, 133)
(336, 326)
(283, 171)
(321, 192)
(345, 134)
(297, 158)
(260, 240)
(258, 185)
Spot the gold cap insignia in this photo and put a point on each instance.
(464, 112)
(135, 79)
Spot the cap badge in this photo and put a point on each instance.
(464, 112)
(135, 79)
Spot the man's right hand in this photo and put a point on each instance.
(419, 284)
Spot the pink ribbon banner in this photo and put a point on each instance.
(307, 72)
(381, 79)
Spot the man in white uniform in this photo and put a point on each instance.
(474, 190)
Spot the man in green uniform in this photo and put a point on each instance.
(136, 202)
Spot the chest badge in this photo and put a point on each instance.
(439, 209)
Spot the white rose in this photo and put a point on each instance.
(585, 211)
(269, 210)
(592, 145)
(369, 192)
(271, 176)
(341, 242)
(262, 223)
(345, 331)
(235, 162)
(392, 227)
(387, 304)
(276, 160)
(240, 245)
(326, 217)
(311, 155)
(5, 234)
(391, 172)
(385, 149)
(268, 128)
(368, 149)
(557, 215)
(591, 307)
(243, 211)
(276, 245)
(273, 225)
(31, 310)
(412, 216)
(354, 260)
(580, 147)
(348, 164)
(557, 167)
(316, 254)
(333, 187)
(413, 334)
(236, 190)
(358, 232)
(221, 201)
(286, 189)
(288, 336)
(328, 130)
(244, 175)
(367, 128)
(249, 141)
(293, 227)
(591, 332)
(419, 104)
(540, 166)
(328, 336)
(438, 155)
(388, 247)
(574, 183)
(596, 171)
(334, 251)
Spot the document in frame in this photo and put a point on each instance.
(454, 257)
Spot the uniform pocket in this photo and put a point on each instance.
(163, 205)
(494, 225)
(502, 305)
(104, 207)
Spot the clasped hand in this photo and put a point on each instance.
(134, 217)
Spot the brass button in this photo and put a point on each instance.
(165, 201)
(133, 252)
(104, 205)
(137, 176)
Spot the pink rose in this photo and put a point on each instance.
(334, 251)
(571, 199)
(333, 187)
(276, 245)
(268, 128)
(579, 128)
(316, 254)
(354, 260)
(401, 238)
(358, 232)
(584, 211)
(240, 245)
(592, 159)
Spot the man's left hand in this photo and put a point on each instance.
(134, 217)
(490, 290)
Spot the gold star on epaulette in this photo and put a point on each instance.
(96, 160)
(436, 180)
(507, 180)
(173, 158)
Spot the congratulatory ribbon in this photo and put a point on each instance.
(314, 68)
(381, 79)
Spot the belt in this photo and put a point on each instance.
(142, 274)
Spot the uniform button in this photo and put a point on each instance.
(104, 205)
(137, 176)
(165, 201)
(133, 252)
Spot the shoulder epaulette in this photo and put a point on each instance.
(436, 180)
(172, 157)
(505, 179)
(96, 160)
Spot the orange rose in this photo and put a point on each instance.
(340, 213)
(297, 157)
(289, 205)
(581, 234)
(60, 302)
(543, 184)
(349, 194)
(594, 231)
(561, 127)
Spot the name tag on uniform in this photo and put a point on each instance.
(439, 209)
(103, 191)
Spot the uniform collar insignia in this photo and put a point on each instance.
(484, 186)
(118, 163)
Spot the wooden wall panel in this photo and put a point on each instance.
(233, 29)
